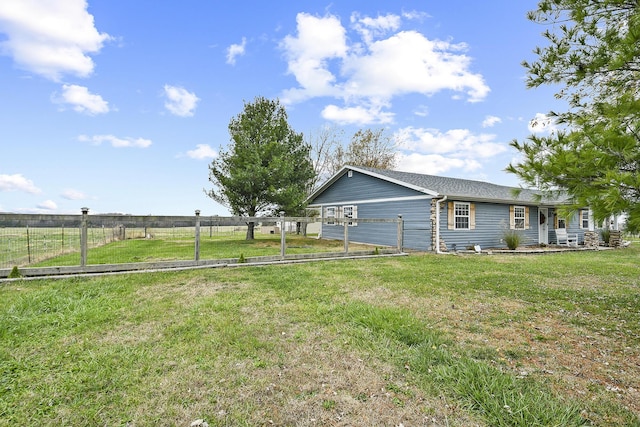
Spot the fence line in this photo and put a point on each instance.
(27, 239)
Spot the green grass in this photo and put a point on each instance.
(215, 247)
(448, 340)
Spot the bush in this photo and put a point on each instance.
(606, 234)
(512, 238)
(15, 273)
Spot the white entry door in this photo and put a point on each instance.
(543, 227)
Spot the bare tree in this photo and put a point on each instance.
(369, 148)
(324, 142)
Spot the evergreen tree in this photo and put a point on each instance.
(593, 53)
(267, 167)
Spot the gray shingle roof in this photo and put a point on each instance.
(459, 188)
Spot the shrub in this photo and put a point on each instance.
(606, 234)
(512, 238)
(15, 273)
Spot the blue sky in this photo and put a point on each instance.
(121, 105)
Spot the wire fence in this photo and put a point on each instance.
(41, 241)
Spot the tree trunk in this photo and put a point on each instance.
(250, 227)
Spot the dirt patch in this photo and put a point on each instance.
(315, 383)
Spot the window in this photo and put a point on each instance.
(562, 223)
(461, 215)
(584, 218)
(330, 215)
(350, 212)
(519, 217)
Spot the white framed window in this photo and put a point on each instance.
(519, 215)
(461, 215)
(584, 219)
(562, 222)
(330, 215)
(350, 212)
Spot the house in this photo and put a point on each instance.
(458, 213)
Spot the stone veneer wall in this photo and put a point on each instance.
(615, 239)
(591, 239)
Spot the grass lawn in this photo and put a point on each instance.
(496, 340)
(215, 247)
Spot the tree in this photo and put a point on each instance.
(369, 148)
(593, 53)
(324, 142)
(266, 169)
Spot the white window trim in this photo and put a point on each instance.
(353, 215)
(456, 216)
(583, 219)
(334, 209)
(562, 219)
(523, 218)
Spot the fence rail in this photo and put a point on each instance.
(68, 244)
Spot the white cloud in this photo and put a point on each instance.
(433, 152)
(236, 50)
(328, 63)
(434, 164)
(50, 38)
(17, 182)
(491, 121)
(542, 123)
(49, 205)
(81, 100)
(456, 142)
(71, 194)
(180, 101)
(370, 28)
(318, 41)
(202, 151)
(115, 141)
(359, 115)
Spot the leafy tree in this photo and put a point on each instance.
(593, 53)
(267, 168)
(369, 148)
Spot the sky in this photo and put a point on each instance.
(121, 106)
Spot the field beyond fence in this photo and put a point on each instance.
(69, 244)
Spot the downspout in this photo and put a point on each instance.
(438, 251)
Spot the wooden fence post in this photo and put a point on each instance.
(400, 232)
(283, 236)
(197, 248)
(346, 236)
(83, 237)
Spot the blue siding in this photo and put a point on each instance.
(573, 226)
(415, 215)
(492, 221)
(362, 187)
(367, 194)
